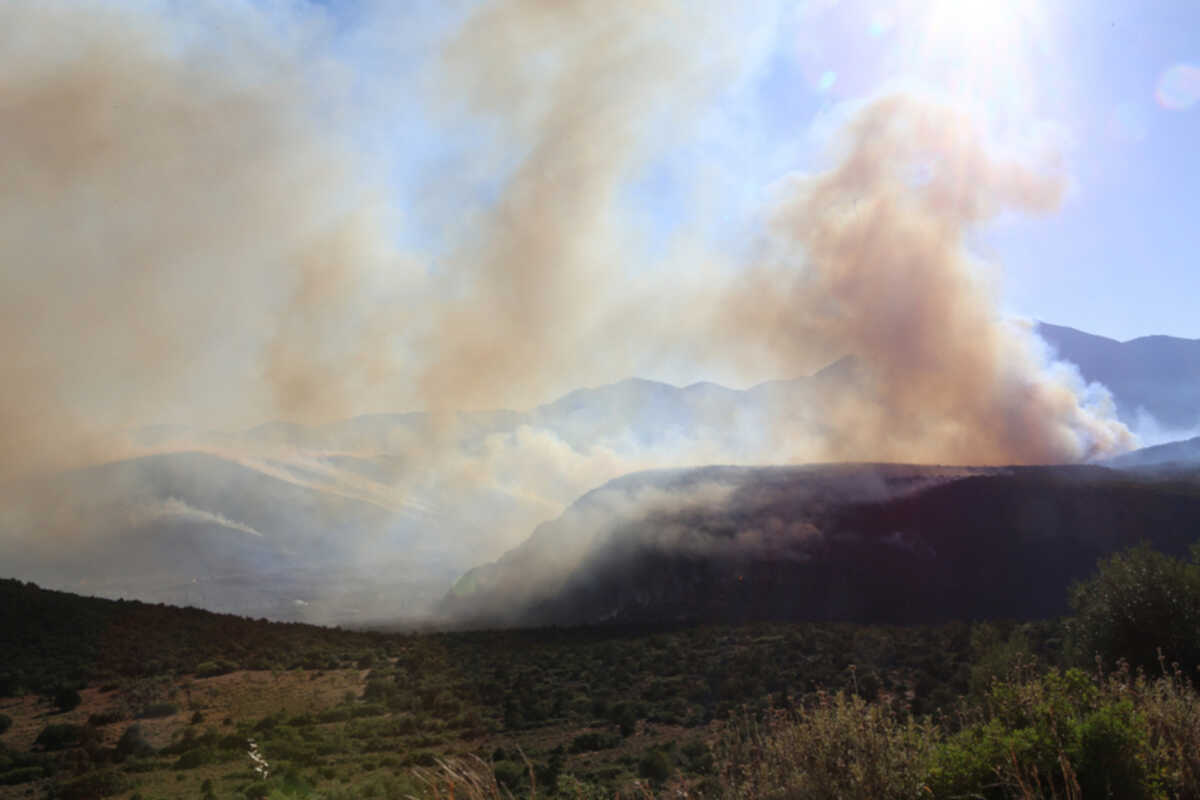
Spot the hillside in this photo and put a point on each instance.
(341, 522)
(252, 536)
(862, 543)
(346, 522)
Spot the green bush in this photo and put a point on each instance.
(61, 736)
(199, 757)
(512, 775)
(655, 766)
(94, 785)
(1138, 603)
(1061, 732)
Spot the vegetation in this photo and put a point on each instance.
(1141, 606)
(1099, 705)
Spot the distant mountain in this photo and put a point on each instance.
(1160, 374)
(1173, 455)
(342, 522)
(863, 543)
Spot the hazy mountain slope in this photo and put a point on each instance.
(862, 543)
(348, 517)
(198, 529)
(1160, 374)
(1174, 455)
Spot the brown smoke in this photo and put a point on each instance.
(581, 93)
(171, 211)
(186, 234)
(871, 261)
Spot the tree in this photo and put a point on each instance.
(1138, 603)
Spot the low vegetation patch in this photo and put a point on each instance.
(1080, 708)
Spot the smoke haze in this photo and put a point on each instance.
(192, 232)
(870, 259)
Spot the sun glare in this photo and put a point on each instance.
(982, 49)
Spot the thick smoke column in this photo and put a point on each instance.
(870, 260)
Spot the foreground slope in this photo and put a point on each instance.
(862, 543)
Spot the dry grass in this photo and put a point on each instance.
(241, 695)
(841, 747)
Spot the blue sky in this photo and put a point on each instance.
(1119, 258)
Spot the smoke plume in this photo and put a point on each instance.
(870, 259)
(194, 231)
(174, 210)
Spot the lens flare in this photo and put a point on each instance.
(1178, 87)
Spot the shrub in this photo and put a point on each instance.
(655, 766)
(21, 775)
(594, 740)
(199, 757)
(102, 718)
(1139, 602)
(133, 743)
(67, 699)
(94, 785)
(511, 775)
(157, 710)
(340, 714)
(1062, 733)
(61, 736)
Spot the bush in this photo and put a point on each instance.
(511, 775)
(133, 743)
(1139, 602)
(102, 718)
(157, 710)
(61, 736)
(199, 757)
(594, 740)
(94, 785)
(66, 699)
(1062, 733)
(655, 766)
(21, 775)
(5, 723)
(209, 669)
